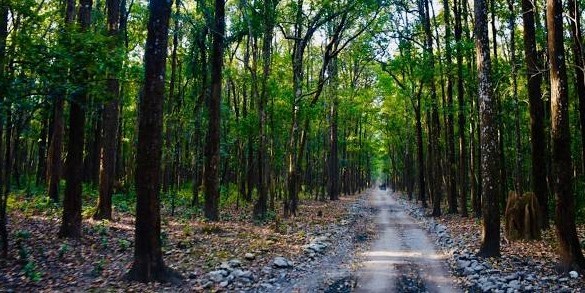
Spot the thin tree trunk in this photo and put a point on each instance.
(71, 222)
(333, 178)
(435, 128)
(110, 123)
(6, 176)
(212, 156)
(420, 154)
(54, 160)
(577, 47)
(463, 169)
(260, 207)
(42, 149)
(512, 27)
(536, 107)
(490, 169)
(451, 161)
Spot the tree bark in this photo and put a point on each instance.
(212, 156)
(4, 164)
(333, 172)
(577, 47)
(569, 248)
(519, 180)
(6, 176)
(536, 107)
(260, 207)
(42, 147)
(435, 128)
(71, 221)
(463, 166)
(110, 122)
(148, 263)
(452, 163)
(54, 160)
(490, 168)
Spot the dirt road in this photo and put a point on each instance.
(403, 258)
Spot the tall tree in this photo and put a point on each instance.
(463, 166)
(4, 169)
(569, 248)
(71, 220)
(333, 160)
(488, 108)
(519, 178)
(435, 169)
(450, 139)
(54, 160)
(148, 263)
(110, 119)
(269, 13)
(577, 47)
(536, 108)
(212, 156)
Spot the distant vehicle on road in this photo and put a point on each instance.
(382, 186)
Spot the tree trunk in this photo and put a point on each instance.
(110, 122)
(490, 169)
(260, 207)
(42, 159)
(54, 160)
(519, 181)
(333, 178)
(5, 191)
(536, 105)
(4, 164)
(569, 248)
(452, 163)
(212, 159)
(71, 222)
(148, 263)
(463, 174)
(435, 128)
(420, 154)
(577, 47)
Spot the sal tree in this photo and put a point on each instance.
(148, 263)
(490, 169)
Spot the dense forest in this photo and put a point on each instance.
(198, 107)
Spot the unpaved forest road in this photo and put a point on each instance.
(403, 258)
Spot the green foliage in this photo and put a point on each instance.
(101, 228)
(31, 271)
(98, 267)
(124, 244)
(63, 250)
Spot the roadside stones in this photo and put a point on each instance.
(217, 276)
(281, 263)
(227, 273)
(514, 284)
(234, 263)
(249, 256)
(246, 276)
(317, 245)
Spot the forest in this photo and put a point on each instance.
(130, 129)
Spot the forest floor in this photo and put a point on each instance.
(325, 248)
(235, 254)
